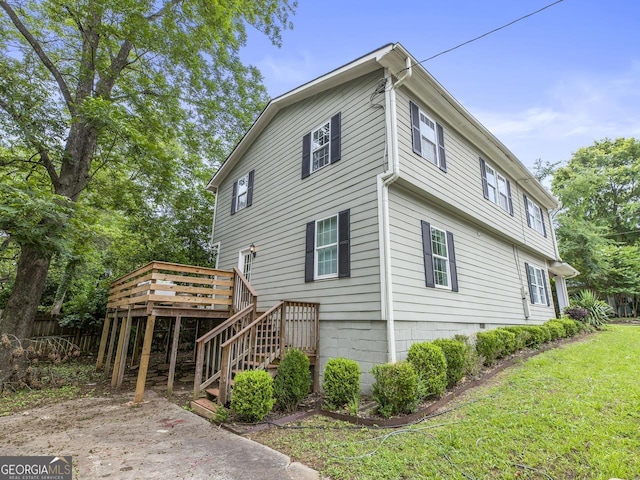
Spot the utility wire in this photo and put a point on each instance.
(485, 34)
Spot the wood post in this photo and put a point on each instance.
(144, 359)
(195, 343)
(283, 326)
(224, 375)
(316, 367)
(174, 354)
(117, 359)
(136, 344)
(112, 341)
(125, 347)
(197, 381)
(103, 341)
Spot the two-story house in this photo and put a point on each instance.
(372, 191)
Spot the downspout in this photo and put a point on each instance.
(213, 226)
(384, 181)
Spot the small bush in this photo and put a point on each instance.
(341, 383)
(581, 326)
(548, 334)
(556, 329)
(523, 336)
(395, 389)
(489, 346)
(472, 360)
(598, 311)
(293, 380)
(576, 313)
(431, 366)
(537, 335)
(507, 340)
(454, 354)
(252, 398)
(570, 327)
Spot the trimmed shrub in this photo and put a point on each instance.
(537, 335)
(431, 366)
(581, 326)
(523, 336)
(548, 335)
(489, 346)
(252, 398)
(570, 326)
(556, 329)
(454, 353)
(576, 313)
(341, 382)
(396, 388)
(507, 340)
(293, 380)
(472, 360)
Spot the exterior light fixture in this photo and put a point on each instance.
(252, 249)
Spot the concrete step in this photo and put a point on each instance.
(205, 408)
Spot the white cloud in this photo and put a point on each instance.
(573, 112)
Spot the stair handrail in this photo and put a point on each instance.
(243, 293)
(216, 354)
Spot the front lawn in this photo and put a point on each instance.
(570, 413)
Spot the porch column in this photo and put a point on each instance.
(561, 291)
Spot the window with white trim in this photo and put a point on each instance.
(243, 189)
(496, 188)
(535, 218)
(427, 137)
(537, 285)
(320, 144)
(440, 256)
(326, 248)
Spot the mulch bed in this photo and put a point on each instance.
(366, 417)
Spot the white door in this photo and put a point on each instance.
(245, 260)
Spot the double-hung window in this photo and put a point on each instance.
(439, 258)
(322, 146)
(242, 195)
(427, 137)
(495, 187)
(535, 217)
(328, 247)
(537, 280)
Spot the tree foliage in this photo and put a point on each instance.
(599, 224)
(112, 115)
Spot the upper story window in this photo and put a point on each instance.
(496, 187)
(538, 293)
(242, 195)
(535, 217)
(439, 258)
(427, 137)
(321, 146)
(328, 248)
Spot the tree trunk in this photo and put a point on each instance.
(22, 306)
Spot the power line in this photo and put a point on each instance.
(487, 33)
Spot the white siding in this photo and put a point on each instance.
(490, 271)
(461, 186)
(283, 203)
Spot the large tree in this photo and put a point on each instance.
(599, 223)
(99, 87)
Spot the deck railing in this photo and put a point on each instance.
(209, 348)
(172, 284)
(286, 325)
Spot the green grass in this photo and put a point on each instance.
(72, 378)
(570, 413)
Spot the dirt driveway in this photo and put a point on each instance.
(109, 438)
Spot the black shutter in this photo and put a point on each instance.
(250, 188)
(527, 268)
(441, 156)
(306, 155)
(509, 196)
(429, 276)
(546, 289)
(415, 128)
(452, 262)
(309, 252)
(344, 247)
(483, 172)
(336, 126)
(526, 210)
(544, 228)
(234, 197)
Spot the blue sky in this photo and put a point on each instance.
(545, 86)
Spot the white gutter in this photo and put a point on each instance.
(384, 180)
